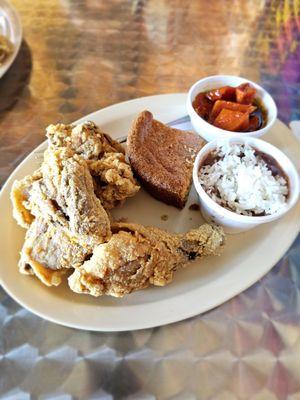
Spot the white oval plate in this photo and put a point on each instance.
(10, 26)
(203, 285)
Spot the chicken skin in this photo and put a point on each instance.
(20, 195)
(82, 166)
(85, 139)
(137, 256)
(70, 187)
(112, 175)
(113, 179)
(49, 251)
(62, 192)
(92, 151)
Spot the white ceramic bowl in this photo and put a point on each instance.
(232, 222)
(210, 132)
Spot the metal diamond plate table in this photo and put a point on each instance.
(78, 56)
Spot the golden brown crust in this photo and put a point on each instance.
(137, 256)
(162, 158)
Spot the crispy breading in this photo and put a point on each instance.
(69, 185)
(62, 192)
(137, 256)
(113, 178)
(48, 251)
(84, 139)
(19, 197)
(65, 207)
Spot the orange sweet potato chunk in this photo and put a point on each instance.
(202, 106)
(229, 105)
(230, 120)
(245, 93)
(223, 93)
(244, 127)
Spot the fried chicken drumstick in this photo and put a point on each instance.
(137, 256)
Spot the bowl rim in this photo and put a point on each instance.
(292, 175)
(221, 131)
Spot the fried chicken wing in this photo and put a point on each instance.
(137, 256)
(84, 139)
(113, 179)
(112, 174)
(48, 251)
(62, 189)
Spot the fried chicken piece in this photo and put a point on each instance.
(113, 178)
(137, 256)
(62, 192)
(30, 198)
(20, 194)
(84, 139)
(48, 251)
(70, 187)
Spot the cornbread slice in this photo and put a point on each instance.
(162, 158)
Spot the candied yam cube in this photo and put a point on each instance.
(231, 120)
(223, 93)
(249, 108)
(229, 105)
(228, 93)
(202, 106)
(214, 95)
(244, 127)
(245, 94)
(218, 106)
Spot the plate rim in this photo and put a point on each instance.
(216, 300)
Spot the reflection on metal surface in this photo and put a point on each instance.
(79, 56)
